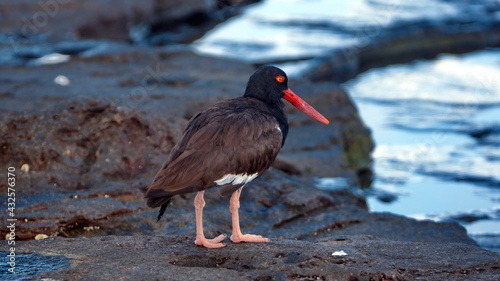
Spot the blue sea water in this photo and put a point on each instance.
(436, 124)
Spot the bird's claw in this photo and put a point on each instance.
(248, 238)
(210, 243)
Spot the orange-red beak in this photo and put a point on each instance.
(303, 106)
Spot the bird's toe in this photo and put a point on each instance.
(248, 238)
(211, 243)
(217, 239)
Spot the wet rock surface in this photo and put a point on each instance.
(114, 19)
(37, 32)
(176, 258)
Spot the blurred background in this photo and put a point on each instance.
(425, 77)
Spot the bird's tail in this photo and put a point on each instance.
(162, 209)
(157, 198)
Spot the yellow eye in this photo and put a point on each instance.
(279, 79)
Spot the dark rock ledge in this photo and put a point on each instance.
(176, 258)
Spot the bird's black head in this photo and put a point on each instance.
(267, 84)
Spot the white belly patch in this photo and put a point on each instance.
(236, 179)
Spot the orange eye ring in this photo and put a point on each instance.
(279, 79)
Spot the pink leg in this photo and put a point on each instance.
(199, 203)
(237, 237)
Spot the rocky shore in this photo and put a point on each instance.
(86, 136)
(336, 258)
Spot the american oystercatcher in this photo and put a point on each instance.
(227, 146)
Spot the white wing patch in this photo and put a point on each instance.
(278, 127)
(236, 179)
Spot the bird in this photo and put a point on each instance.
(227, 146)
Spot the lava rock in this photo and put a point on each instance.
(176, 258)
(111, 19)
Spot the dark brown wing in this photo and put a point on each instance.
(237, 136)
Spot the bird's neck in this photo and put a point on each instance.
(279, 113)
(275, 105)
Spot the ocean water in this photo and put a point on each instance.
(436, 125)
(280, 30)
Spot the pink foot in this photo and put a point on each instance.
(210, 243)
(248, 238)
